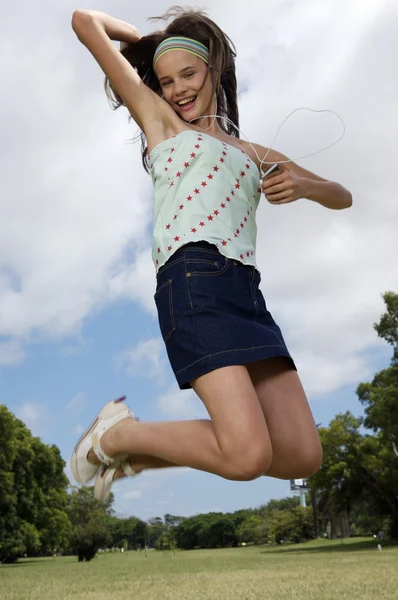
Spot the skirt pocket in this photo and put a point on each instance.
(206, 267)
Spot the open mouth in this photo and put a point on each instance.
(187, 104)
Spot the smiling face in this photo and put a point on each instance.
(184, 76)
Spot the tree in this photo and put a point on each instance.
(133, 531)
(380, 397)
(253, 530)
(293, 525)
(34, 495)
(173, 521)
(221, 531)
(379, 473)
(387, 327)
(89, 527)
(166, 541)
(11, 533)
(359, 473)
(340, 477)
(213, 530)
(282, 504)
(155, 530)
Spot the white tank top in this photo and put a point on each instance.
(204, 189)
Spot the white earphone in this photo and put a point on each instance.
(263, 161)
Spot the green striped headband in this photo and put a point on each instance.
(181, 43)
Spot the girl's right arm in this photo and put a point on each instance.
(96, 30)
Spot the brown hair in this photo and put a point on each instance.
(196, 25)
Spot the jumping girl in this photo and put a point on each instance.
(179, 86)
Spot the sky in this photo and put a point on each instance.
(78, 324)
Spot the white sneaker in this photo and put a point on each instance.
(113, 412)
(105, 478)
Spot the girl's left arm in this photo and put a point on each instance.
(294, 182)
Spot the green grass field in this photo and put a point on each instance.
(320, 570)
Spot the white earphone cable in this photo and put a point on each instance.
(263, 161)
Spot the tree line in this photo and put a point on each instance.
(355, 492)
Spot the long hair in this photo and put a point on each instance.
(194, 24)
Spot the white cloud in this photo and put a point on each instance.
(68, 189)
(321, 375)
(147, 359)
(136, 281)
(76, 204)
(29, 412)
(35, 415)
(323, 272)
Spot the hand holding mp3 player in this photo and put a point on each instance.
(273, 170)
(281, 185)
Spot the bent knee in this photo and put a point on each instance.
(304, 463)
(311, 459)
(249, 465)
(312, 462)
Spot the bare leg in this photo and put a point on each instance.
(296, 447)
(144, 463)
(234, 444)
(137, 463)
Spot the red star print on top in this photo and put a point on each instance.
(204, 189)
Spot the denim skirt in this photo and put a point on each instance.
(212, 313)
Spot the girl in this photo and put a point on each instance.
(220, 338)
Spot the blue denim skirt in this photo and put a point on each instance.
(212, 313)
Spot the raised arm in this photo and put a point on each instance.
(96, 30)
